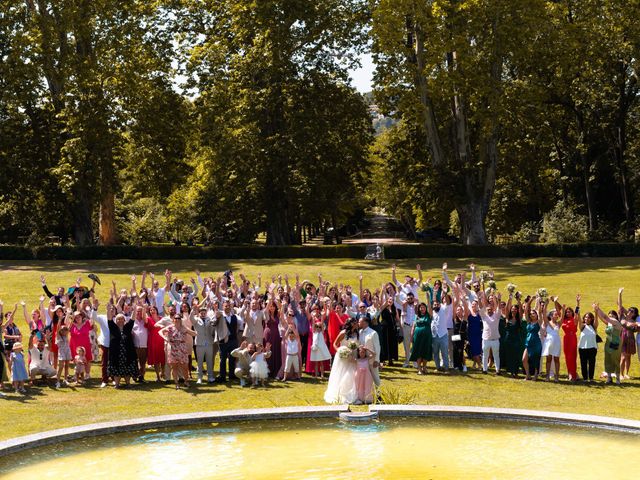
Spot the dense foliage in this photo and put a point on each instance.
(519, 104)
(144, 121)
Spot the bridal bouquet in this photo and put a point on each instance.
(484, 276)
(542, 293)
(491, 288)
(511, 288)
(352, 345)
(344, 352)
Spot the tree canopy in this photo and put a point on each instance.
(135, 121)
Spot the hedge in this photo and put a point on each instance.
(329, 251)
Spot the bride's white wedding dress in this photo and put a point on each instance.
(342, 379)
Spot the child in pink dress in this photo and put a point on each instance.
(364, 380)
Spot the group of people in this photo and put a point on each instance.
(284, 329)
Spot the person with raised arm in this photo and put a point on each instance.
(612, 331)
(629, 320)
(80, 330)
(512, 340)
(533, 345)
(410, 285)
(178, 352)
(422, 349)
(588, 345)
(569, 323)
(205, 331)
(407, 319)
(254, 321)
(122, 353)
(11, 331)
(552, 345)
(490, 315)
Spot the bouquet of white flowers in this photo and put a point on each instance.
(492, 285)
(353, 345)
(344, 352)
(542, 293)
(484, 276)
(511, 288)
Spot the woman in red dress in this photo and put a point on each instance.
(334, 319)
(570, 339)
(155, 343)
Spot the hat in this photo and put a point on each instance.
(17, 346)
(58, 307)
(94, 277)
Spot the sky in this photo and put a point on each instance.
(362, 78)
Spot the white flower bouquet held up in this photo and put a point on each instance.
(344, 352)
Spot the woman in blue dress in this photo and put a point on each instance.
(533, 350)
(474, 332)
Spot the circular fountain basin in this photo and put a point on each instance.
(435, 447)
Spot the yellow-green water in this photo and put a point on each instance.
(328, 449)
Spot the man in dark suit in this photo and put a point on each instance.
(227, 337)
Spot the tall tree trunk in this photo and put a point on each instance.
(472, 231)
(619, 150)
(108, 232)
(81, 215)
(586, 171)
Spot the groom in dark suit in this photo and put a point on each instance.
(227, 336)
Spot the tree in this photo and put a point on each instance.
(276, 119)
(97, 59)
(450, 67)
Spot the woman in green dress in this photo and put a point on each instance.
(612, 344)
(512, 339)
(422, 350)
(533, 352)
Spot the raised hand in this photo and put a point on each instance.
(620, 290)
(42, 279)
(578, 297)
(444, 266)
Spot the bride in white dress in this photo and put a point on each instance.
(341, 387)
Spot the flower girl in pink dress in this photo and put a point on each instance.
(364, 380)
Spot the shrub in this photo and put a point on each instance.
(563, 224)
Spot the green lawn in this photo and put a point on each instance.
(597, 279)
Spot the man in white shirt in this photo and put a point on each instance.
(104, 338)
(407, 317)
(410, 285)
(39, 364)
(157, 293)
(490, 315)
(440, 334)
(368, 337)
